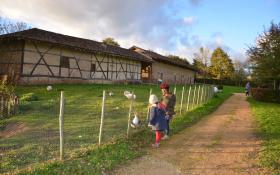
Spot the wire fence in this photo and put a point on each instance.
(59, 126)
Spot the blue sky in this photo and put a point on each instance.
(238, 21)
(176, 27)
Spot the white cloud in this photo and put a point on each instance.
(189, 20)
(145, 23)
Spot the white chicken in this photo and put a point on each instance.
(129, 95)
(49, 88)
(216, 90)
(135, 122)
(111, 94)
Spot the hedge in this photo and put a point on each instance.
(266, 95)
(222, 82)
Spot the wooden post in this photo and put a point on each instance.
(129, 116)
(61, 123)
(202, 94)
(2, 107)
(198, 93)
(6, 107)
(188, 102)
(174, 90)
(209, 93)
(212, 92)
(193, 100)
(9, 107)
(206, 94)
(16, 104)
(102, 118)
(148, 110)
(182, 98)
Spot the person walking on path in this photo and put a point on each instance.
(247, 89)
(169, 101)
(157, 119)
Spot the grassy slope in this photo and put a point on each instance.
(94, 161)
(268, 118)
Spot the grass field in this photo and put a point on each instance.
(40, 142)
(268, 118)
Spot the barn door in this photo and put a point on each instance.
(146, 71)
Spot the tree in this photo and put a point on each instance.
(178, 59)
(8, 69)
(239, 73)
(7, 26)
(201, 62)
(111, 41)
(265, 56)
(221, 65)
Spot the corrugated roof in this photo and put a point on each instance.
(74, 42)
(157, 57)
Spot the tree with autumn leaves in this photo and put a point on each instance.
(221, 65)
(217, 66)
(264, 57)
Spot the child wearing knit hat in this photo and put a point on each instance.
(157, 118)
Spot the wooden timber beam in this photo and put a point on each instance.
(42, 54)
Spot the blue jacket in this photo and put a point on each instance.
(157, 119)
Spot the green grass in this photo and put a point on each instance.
(268, 119)
(38, 146)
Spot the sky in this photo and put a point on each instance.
(178, 27)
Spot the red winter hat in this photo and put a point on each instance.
(164, 86)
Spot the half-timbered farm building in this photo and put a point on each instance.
(41, 57)
(165, 68)
(37, 56)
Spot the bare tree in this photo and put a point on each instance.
(8, 75)
(202, 61)
(240, 73)
(8, 26)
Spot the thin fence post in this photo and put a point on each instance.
(102, 117)
(148, 109)
(193, 99)
(2, 107)
(206, 93)
(188, 102)
(182, 98)
(14, 103)
(212, 92)
(6, 107)
(198, 93)
(9, 107)
(61, 123)
(129, 116)
(174, 90)
(202, 95)
(209, 93)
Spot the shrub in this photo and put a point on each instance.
(266, 95)
(29, 97)
(3, 124)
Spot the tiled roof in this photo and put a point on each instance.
(74, 42)
(160, 58)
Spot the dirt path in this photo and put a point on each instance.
(13, 129)
(222, 143)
